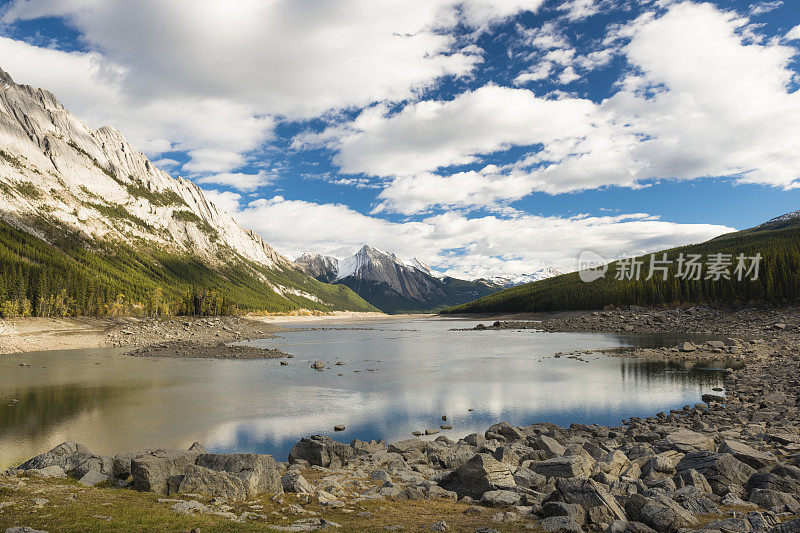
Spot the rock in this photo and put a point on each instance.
(549, 445)
(712, 398)
(792, 526)
(529, 479)
(432, 431)
(730, 525)
(720, 469)
(92, 478)
(339, 428)
(408, 445)
(593, 497)
(620, 526)
(504, 432)
(295, 483)
(501, 498)
(770, 481)
(686, 440)
(200, 480)
(189, 507)
(480, 474)
(48, 471)
(67, 455)
(692, 478)
(661, 514)
(564, 467)
(284, 363)
(320, 450)
(318, 365)
(687, 347)
(151, 472)
(23, 529)
(306, 524)
(570, 510)
(560, 524)
(441, 525)
(748, 455)
(769, 499)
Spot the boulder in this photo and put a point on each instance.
(692, 478)
(686, 440)
(201, 480)
(295, 483)
(66, 455)
(720, 469)
(564, 467)
(549, 445)
(259, 473)
(92, 478)
(320, 450)
(593, 497)
(747, 454)
(571, 510)
(151, 472)
(560, 524)
(730, 525)
(408, 445)
(769, 499)
(501, 498)
(480, 474)
(121, 464)
(504, 432)
(774, 482)
(661, 513)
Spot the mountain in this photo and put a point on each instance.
(778, 281)
(89, 220)
(513, 281)
(392, 285)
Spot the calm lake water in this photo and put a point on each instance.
(399, 376)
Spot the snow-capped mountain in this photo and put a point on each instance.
(58, 176)
(513, 281)
(392, 285)
(780, 220)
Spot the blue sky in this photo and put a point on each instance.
(483, 137)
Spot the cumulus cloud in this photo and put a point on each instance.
(794, 34)
(700, 100)
(465, 247)
(428, 135)
(209, 77)
(239, 180)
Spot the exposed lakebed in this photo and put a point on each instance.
(398, 376)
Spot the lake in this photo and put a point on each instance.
(398, 376)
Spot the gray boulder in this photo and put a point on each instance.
(595, 499)
(769, 499)
(259, 473)
(692, 478)
(747, 454)
(564, 467)
(501, 498)
(774, 482)
(151, 472)
(549, 445)
(560, 524)
(92, 478)
(480, 474)
(200, 480)
(294, 482)
(686, 440)
(720, 469)
(660, 513)
(320, 450)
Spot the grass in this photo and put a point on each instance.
(74, 508)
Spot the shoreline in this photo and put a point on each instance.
(731, 463)
(34, 334)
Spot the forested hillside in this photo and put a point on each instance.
(82, 277)
(778, 282)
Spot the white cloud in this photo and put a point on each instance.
(568, 75)
(226, 200)
(537, 72)
(764, 7)
(240, 181)
(579, 9)
(467, 248)
(427, 135)
(206, 77)
(794, 34)
(700, 100)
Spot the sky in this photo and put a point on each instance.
(483, 137)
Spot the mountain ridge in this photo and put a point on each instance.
(78, 189)
(391, 284)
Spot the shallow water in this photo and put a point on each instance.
(399, 376)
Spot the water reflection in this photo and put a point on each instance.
(397, 378)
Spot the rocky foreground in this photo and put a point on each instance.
(729, 464)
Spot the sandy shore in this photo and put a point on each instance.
(41, 334)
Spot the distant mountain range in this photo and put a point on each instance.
(395, 286)
(88, 222)
(513, 281)
(776, 242)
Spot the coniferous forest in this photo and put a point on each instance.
(91, 278)
(777, 283)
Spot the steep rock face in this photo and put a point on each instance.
(373, 265)
(322, 267)
(96, 182)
